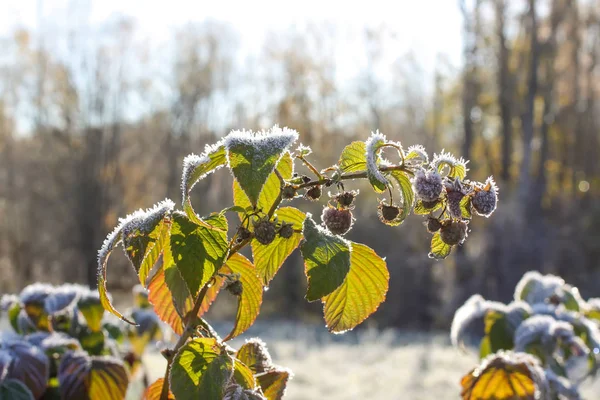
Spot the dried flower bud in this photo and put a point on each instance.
(428, 185)
(455, 193)
(235, 287)
(389, 214)
(338, 221)
(345, 199)
(433, 225)
(288, 192)
(264, 231)
(314, 193)
(236, 392)
(286, 231)
(243, 234)
(485, 198)
(453, 232)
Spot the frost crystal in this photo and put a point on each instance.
(259, 351)
(192, 161)
(417, 153)
(36, 293)
(444, 158)
(236, 392)
(7, 301)
(304, 150)
(373, 144)
(263, 142)
(468, 319)
(63, 297)
(543, 328)
(536, 288)
(428, 185)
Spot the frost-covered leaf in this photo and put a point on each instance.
(196, 168)
(24, 362)
(269, 258)
(457, 168)
(274, 382)
(253, 156)
(243, 375)
(372, 148)
(255, 355)
(154, 391)
(354, 157)
(498, 333)
(416, 155)
(407, 191)
(200, 369)
(94, 378)
(12, 389)
(326, 259)
(251, 298)
(144, 221)
(439, 249)
(198, 251)
(360, 294)
(506, 376)
(91, 308)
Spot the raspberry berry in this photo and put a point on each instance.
(453, 232)
(235, 288)
(455, 193)
(243, 234)
(286, 231)
(485, 198)
(288, 192)
(314, 193)
(345, 199)
(264, 231)
(338, 221)
(433, 225)
(428, 185)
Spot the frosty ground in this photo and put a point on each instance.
(369, 364)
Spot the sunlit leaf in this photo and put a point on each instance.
(92, 310)
(197, 251)
(422, 208)
(353, 157)
(439, 249)
(255, 355)
(362, 292)
(504, 376)
(251, 298)
(466, 207)
(200, 370)
(270, 190)
(243, 375)
(326, 259)
(274, 382)
(498, 334)
(94, 378)
(12, 389)
(269, 258)
(26, 363)
(154, 391)
(161, 299)
(406, 189)
(252, 157)
(373, 146)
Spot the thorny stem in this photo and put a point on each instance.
(190, 321)
(354, 175)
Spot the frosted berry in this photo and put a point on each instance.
(243, 234)
(338, 221)
(455, 193)
(264, 231)
(235, 288)
(485, 198)
(433, 225)
(389, 214)
(345, 199)
(453, 232)
(314, 193)
(428, 185)
(286, 231)
(288, 192)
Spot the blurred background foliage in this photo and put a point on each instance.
(91, 130)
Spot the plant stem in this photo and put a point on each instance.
(310, 166)
(355, 175)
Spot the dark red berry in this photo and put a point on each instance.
(453, 232)
(288, 192)
(433, 225)
(345, 199)
(264, 231)
(286, 231)
(338, 221)
(243, 234)
(314, 193)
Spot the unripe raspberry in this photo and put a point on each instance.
(433, 225)
(485, 198)
(243, 234)
(286, 231)
(288, 192)
(455, 193)
(314, 193)
(235, 288)
(388, 214)
(338, 221)
(453, 232)
(264, 231)
(428, 185)
(345, 199)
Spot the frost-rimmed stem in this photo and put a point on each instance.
(355, 175)
(189, 322)
(310, 166)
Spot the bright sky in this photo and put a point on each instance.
(425, 27)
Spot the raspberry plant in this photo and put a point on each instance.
(542, 345)
(185, 260)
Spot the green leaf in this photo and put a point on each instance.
(498, 332)
(243, 375)
(406, 189)
(251, 298)
(466, 207)
(362, 292)
(326, 259)
(269, 258)
(94, 378)
(485, 347)
(197, 251)
(92, 341)
(12, 389)
(200, 370)
(13, 316)
(255, 355)
(252, 158)
(426, 208)
(273, 383)
(196, 168)
(91, 308)
(439, 249)
(270, 191)
(353, 157)
(459, 170)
